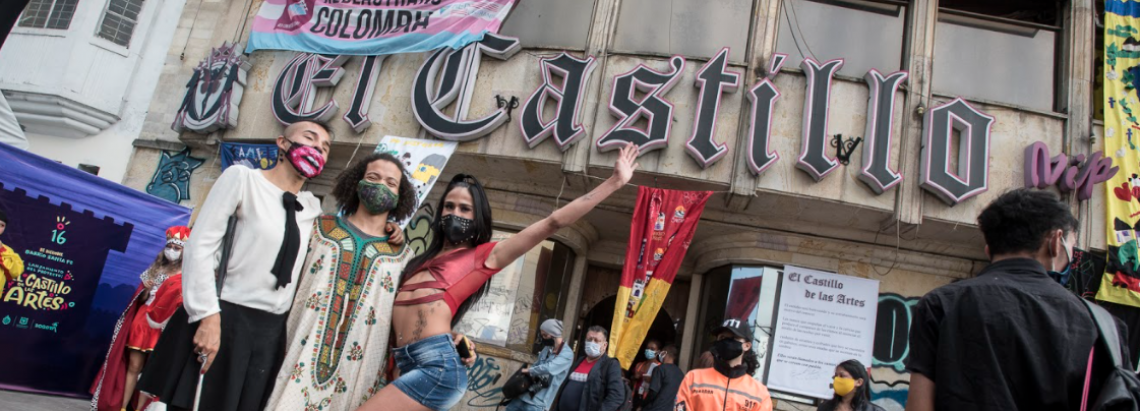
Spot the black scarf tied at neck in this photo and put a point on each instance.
(291, 244)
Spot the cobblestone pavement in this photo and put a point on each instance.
(19, 401)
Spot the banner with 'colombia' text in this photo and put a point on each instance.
(374, 27)
(664, 222)
(1121, 282)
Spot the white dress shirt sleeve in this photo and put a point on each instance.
(199, 287)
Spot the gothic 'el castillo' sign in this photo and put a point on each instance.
(447, 78)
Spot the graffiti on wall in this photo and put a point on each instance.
(418, 231)
(890, 383)
(171, 179)
(485, 382)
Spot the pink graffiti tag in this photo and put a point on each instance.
(1077, 175)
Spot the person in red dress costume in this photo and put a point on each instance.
(137, 331)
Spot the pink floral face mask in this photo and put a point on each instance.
(307, 160)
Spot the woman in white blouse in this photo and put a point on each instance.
(236, 340)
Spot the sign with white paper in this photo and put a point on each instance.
(824, 319)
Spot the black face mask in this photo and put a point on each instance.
(547, 342)
(727, 350)
(457, 230)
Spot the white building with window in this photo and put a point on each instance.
(79, 76)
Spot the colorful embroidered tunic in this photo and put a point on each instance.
(340, 321)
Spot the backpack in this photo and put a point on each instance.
(627, 403)
(1120, 390)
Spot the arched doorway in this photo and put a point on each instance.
(602, 313)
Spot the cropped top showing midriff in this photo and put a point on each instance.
(457, 275)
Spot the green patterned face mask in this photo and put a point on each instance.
(376, 197)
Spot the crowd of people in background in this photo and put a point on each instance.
(271, 305)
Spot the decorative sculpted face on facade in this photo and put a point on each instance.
(214, 92)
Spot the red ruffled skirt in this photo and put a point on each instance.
(140, 336)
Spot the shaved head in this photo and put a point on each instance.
(309, 133)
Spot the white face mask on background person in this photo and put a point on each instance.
(172, 255)
(593, 349)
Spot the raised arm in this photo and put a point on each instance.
(507, 251)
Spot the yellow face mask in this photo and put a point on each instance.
(843, 386)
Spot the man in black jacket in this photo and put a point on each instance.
(594, 383)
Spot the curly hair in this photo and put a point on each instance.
(751, 361)
(345, 189)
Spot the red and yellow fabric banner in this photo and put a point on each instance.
(663, 225)
(1121, 282)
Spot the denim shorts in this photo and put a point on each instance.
(431, 372)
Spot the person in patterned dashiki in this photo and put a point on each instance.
(338, 328)
(138, 329)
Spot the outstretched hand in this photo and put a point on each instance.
(626, 163)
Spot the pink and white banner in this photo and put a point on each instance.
(374, 27)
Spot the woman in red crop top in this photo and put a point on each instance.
(438, 286)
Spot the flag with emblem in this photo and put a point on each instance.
(663, 225)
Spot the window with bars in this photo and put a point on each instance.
(48, 14)
(119, 21)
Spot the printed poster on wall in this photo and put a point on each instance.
(489, 319)
(84, 241)
(423, 161)
(824, 319)
(370, 28)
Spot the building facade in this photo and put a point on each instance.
(740, 97)
(84, 103)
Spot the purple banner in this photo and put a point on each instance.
(84, 241)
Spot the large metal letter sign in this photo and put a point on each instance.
(357, 115)
(713, 79)
(295, 91)
(763, 99)
(877, 172)
(214, 92)
(460, 68)
(564, 126)
(657, 111)
(972, 176)
(817, 105)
